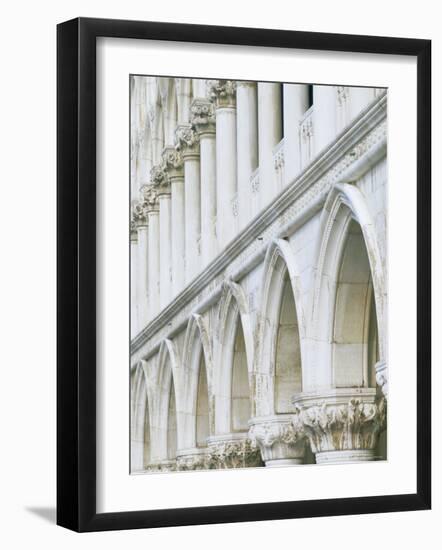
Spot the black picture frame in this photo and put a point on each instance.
(76, 274)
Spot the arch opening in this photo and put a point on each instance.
(240, 394)
(202, 406)
(288, 371)
(355, 332)
(172, 425)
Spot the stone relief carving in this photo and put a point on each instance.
(222, 92)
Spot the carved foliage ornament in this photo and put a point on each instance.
(202, 115)
(352, 426)
(234, 454)
(186, 139)
(222, 92)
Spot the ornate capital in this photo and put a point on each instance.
(203, 116)
(278, 439)
(150, 198)
(160, 180)
(222, 92)
(193, 459)
(382, 377)
(173, 162)
(186, 140)
(133, 231)
(230, 452)
(139, 215)
(333, 425)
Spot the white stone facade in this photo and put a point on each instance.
(258, 274)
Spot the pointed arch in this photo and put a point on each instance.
(168, 401)
(345, 212)
(141, 412)
(234, 338)
(197, 357)
(281, 331)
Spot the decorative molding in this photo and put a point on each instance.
(203, 116)
(277, 438)
(333, 425)
(187, 140)
(227, 452)
(222, 93)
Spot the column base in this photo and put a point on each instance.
(340, 457)
(279, 462)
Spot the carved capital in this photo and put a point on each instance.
(382, 377)
(139, 215)
(173, 162)
(150, 198)
(222, 92)
(187, 140)
(231, 451)
(193, 459)
(203, 116)
(278, 439)
(341, 422)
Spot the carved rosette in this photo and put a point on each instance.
(173, 163)
(382, 377)
(278, 440)
(222, 92)
(150, 198)
(187, 140)
(228, 451)
(348, 424)
(203, 116)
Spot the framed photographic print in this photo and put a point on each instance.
(243, 274)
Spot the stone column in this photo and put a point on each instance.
(141, 275)
(222, 93)
(162, 185)
(270, 133)
(279, 442)
(173, 165)
(133, 279)
(232, 451)
(247, 140)
(203, 119)
(324, 116)
(187, 143)
(152, 209)
(295, 105)
(342, 425)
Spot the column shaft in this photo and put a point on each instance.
(133, 283)
(165, 249)
(142, 276)
(154, 263)
(177, 211)
(295, 105)
(192, 201)
(208, 197)
(324, 116)
(270, 134)
(247, 136)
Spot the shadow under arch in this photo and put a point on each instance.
(345, 204)
(233, 320)
(280, 273)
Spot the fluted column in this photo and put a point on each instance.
(222, 93)
(342, 425)
(203, 119)
(150, 196)
(324, 115)
(270, 134)
(173, 165)
(162, 186)
(247, 138)
(295, 105)
(141, 266)
(187, 143)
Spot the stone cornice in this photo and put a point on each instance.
(354, 150)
